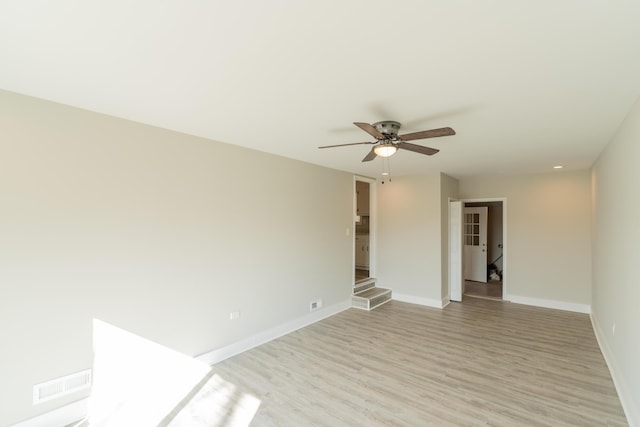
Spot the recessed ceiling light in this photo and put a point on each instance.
(558, 167)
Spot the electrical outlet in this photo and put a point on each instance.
(613, 329)
(314, 305)
(234, 315)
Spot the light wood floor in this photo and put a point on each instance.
(480, 362)
(492, 289)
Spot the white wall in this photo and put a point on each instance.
(156, 232)
(616, 257)
(548, 235)
(409, 246)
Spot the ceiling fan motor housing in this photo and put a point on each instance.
(388, 128)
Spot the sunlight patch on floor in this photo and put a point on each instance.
(217, 403)
(139, 383)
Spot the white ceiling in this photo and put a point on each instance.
(526, 85)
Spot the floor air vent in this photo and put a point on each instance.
(61, 386)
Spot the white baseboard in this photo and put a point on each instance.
(628, 403)
(218, 355)
(76, 411)
(59, 417)
(428, 302)
(560, 305)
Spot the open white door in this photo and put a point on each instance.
(475, 244)
(455, 251)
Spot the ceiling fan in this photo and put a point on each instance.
(388, 141)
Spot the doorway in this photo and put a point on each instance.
(364, 234)
(483, 241)
(477, 249)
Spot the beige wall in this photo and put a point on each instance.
(548, 233)
(156, 232)
(409, 233)
(616, 257)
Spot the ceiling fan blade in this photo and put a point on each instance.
(417, 148)
(344, 145)
(372, 155)
(369, 129)
(433, 133)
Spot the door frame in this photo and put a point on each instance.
(456, 256)
(373, 220)
(458, 259)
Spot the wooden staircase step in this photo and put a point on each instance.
(363, 284)
(371, 298)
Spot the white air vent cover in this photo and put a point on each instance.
(61, 386)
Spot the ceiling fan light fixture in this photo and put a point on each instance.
(386, 150)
